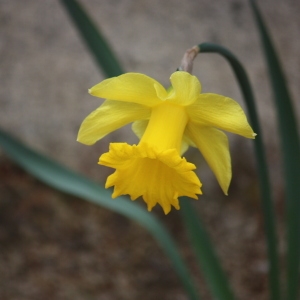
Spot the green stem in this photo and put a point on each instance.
(267, 205)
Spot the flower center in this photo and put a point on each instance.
(165, 128)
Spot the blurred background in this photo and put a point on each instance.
(53, 246)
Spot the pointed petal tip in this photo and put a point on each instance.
(195, 197)
(149, 208)
(225, 189)
(82, 141)
(166, 210)
(115, 194)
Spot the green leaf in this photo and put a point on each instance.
(94, 40)
(291, 155)
(264, 181)
(67, 181)
(206, 256)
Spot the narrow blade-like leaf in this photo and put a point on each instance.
(291, 155)
(205, 254)
(67, 181)
(96, 43)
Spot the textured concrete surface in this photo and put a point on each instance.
(45, 69)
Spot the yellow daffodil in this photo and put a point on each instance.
(167, 122)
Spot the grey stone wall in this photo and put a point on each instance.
(45, 69)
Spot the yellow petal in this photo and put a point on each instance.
(159, 177)
(139, 127)
(186, 88)
(110, 116)
(221, 112)
(130, 87)
(213, 144)
(184, 147)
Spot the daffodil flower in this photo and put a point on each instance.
(167, 122)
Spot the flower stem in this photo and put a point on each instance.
(267, 204)
(188, 58)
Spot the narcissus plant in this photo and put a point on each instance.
(167, 123)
